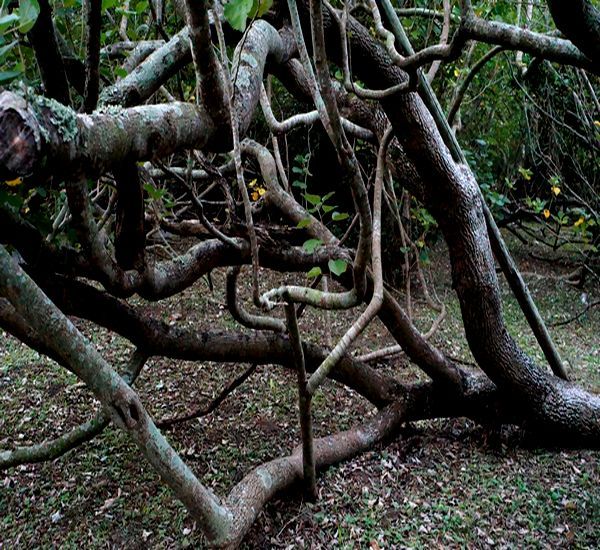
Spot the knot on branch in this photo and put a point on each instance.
(128, 411)
(20, 137)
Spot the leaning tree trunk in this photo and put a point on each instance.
(450, 192)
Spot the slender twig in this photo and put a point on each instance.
(237, 156)
(443, 40)
(576, 317)
(213, 405)
(93, 10)
(55, 448)
(304, 403)
(377, 299)
(460, 91)
(200, 209)
(256, 322)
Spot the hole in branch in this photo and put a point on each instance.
(121, 415)
(134, 413)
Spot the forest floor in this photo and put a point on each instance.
(442, 484)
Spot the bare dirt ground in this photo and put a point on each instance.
(442, 484)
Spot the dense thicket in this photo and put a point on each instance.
(155, 143)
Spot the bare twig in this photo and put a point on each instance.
(304, 404)
(256, 322)
(367, 316)
(167, 423)
(93, 10)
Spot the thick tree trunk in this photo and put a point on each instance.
(579, 20)
(450, 192)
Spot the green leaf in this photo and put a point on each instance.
(237, 12)
(28, 14)
(7, 20)
(337, 267)
(11, 200)
(313, 199)
(153, 192)
(312, 244)
(141, 7)
(314, 272)
(263, 7)
(299, 184)
(5, 49)
(303, 223)
(8, 76)
(339, 216)
(327, 208)
(525, 173)
(107, 4)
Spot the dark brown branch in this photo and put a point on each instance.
(459, 94)
(213, 405)
(48, 56)
(158, 338)
(510, 269)
(455, 201)
(576, 317)
(130, 235)
(93, 13)
(579, 20)
(209, 78)
(304, 404)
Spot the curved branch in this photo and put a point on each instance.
(93, 9)
(452, 196)
(48, 56)
(306, 119)
(256, 322)
(579, 21)
(536, 44)
(50, 450)
(209, 73)
(158, 338)
(374, 305)
(460, 92)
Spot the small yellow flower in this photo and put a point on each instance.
(15, 182)
(252, 183)
(556, 190)
(597, 123)
(456, 73)
(254, 195)
(261, 191)
(546, 213)
(579, 221)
